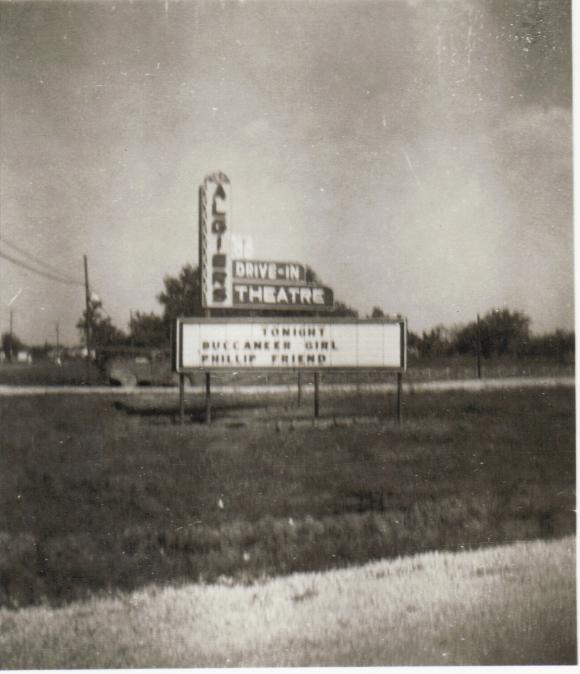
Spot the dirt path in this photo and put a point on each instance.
(418, 387)
(497, 606)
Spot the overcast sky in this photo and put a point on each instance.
(416, 153)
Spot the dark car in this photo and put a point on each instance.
(146, 367)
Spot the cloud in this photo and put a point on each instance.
(547, 126)
(534, 156)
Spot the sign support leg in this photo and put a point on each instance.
(208, 398)
(399, 398)
(181, 399)
(316, 395)
(299, 388)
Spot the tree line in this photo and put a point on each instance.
(500, 332)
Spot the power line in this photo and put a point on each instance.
(52, 277)
(89, 288)
(51, 268)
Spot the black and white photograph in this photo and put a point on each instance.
(287, 323)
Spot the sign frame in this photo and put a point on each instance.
(340, 320)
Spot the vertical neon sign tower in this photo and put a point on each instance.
(215, 242)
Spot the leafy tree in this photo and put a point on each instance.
(11, 345)
(413, 342)
(148, 329)
(182, 294)
(102, 331)
(436, 342)
(501, 332)
(312, 276)
(377, 312)
(559, 344)
(342, 309)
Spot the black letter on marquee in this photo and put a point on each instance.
(218, 194)
(219, 261)
(219, 294)
(218, 225)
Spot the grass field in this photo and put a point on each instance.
(512, 605)
(47, 373)
(101, 493)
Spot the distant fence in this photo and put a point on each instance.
(490, 371)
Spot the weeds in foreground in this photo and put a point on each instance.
(91, 500)
(505, 605)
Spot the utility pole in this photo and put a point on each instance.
(87, 320)
(11, 334)
(478, 348)
(57, 343)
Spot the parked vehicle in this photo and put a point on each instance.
(143, 367)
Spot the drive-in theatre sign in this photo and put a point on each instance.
(317, 343)
(211, 344)
(246, 284)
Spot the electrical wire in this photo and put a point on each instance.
(52, 272)
(47, 275)
(50, 268)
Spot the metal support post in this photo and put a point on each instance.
(181, 398)
(299, 388)
(208, 398)
(399, 398)
(316, 395)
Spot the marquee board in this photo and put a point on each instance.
(210, 344)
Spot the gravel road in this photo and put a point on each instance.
(258, 389)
